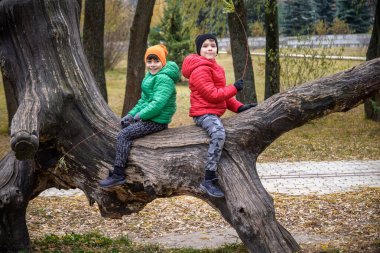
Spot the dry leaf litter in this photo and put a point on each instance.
(350, 220)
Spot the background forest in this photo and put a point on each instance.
(174, 22)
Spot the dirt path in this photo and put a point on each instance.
(214, 238)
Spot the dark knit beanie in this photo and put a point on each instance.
(201, 38)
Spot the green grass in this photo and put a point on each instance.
(338, 136)
(90, 242)
(95, 242)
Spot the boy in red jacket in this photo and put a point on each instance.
(209, 99)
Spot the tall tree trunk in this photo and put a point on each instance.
(136, 51)
(372, 105)
(272, 56)
(63, 133)
(80, 7)
(93, 41)
(241, 57)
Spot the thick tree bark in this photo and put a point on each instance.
(272, 56)
(93, 41)
(16, 185)
(241, 57)
(80, 7)
(67, 132)
(372, 105)
(136, 51)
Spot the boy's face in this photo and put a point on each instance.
(209, 49)
(153, 66)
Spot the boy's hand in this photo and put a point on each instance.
(137, 117)
(239, 84)
(126, 120)
(246, 107)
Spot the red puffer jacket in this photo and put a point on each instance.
(207, 83)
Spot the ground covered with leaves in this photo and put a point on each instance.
(346, 222)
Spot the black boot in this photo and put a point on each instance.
(210, 185)
(115, 178)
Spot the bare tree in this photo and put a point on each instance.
(137, 46)
(119, 16)
(63, 133)
(80, 2)
(242, 62)
(272, 56)
(93, 41)
(372, 105)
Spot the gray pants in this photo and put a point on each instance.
(214, 127)
(131, 132)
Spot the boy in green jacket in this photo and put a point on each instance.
(152, 113)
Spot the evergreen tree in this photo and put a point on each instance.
(355, 13)
(205, 16)
(325, 10)
(255, 16)
(298, 17)
(172, 33)
(255, 11)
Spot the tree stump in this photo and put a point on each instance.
(63, 133)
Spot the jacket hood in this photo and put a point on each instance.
(171, 69)
(192, 62)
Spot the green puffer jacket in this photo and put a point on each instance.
(158, 95)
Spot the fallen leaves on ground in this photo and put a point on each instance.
(62, 215)
(350, 220)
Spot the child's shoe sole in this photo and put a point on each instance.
(204, 189)
(114, 184)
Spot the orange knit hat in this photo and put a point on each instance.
(159, 50)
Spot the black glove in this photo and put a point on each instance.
(242, 108)
(239, 84)
(126, 120)
(137, 117)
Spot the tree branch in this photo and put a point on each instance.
(285, 111)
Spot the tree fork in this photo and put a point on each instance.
(77, 132)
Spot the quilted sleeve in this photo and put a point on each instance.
(202, 81)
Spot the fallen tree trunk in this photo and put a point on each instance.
(63, 133)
